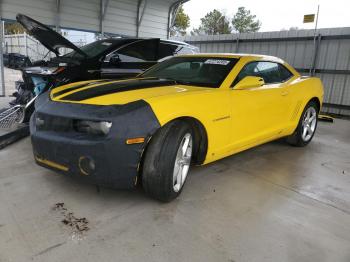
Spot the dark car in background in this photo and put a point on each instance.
(112, 58)
(16, 60)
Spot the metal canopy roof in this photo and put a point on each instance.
(141, 18)
(144, 18)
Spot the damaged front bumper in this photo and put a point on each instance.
(103, 160)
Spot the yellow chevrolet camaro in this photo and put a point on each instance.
(191, 109)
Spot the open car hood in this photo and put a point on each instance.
(45, 35)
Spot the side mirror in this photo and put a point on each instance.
(114, 60)
(249, 82)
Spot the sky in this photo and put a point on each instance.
(276, 15)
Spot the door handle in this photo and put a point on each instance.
(284, 93)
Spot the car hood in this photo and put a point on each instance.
(109, 92)
(45, 35)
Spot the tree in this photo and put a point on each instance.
(14, 28)
(244, 22)
(213, 23)
(182, 22)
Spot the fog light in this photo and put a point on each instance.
(86, 165)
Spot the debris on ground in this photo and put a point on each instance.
(77, 225)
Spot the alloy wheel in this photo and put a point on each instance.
(182, 162)
(309, 124)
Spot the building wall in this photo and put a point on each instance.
(332, 62)
(120, 16)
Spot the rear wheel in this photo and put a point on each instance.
(167, 161)
(306, 128)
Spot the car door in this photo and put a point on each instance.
(260, 113)
(131, 59)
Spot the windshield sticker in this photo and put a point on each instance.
(106, 43)
(217, 62)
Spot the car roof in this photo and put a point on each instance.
(238, 55)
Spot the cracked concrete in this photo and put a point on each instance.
(270, 203)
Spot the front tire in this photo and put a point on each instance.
(307, 125)
(167, 161)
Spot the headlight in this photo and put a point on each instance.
(92, 127)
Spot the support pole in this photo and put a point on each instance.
(237, 44)
(312, 68)
(57, 15)
(3, 93)
(103, 10)
(25, 44)
(314, 60)
(140, 14)
(172, 14)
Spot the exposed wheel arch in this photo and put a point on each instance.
(200, 139)
(317, 101)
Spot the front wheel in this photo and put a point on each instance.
(306, 128)
(167, 161)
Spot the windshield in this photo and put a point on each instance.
(93, 49)
(198, 71)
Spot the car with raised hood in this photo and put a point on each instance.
(112, 58)
(191, 109)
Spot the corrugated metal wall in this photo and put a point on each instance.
(120, 17)
(332, 62)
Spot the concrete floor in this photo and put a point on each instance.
(271, 203)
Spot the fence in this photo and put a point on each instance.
(327, 56)
(27, 45)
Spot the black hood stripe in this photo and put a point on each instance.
(117, 87)
(66, 90)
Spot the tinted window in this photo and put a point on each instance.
(284, 73)
(166, 50)
(269, 71)
(200, 71)
(140, 51)
(183, 50)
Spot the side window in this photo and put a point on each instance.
(141, 51)
(167, 49)
(248, 70)
(271, 72)
(183, 50)
(284, 73)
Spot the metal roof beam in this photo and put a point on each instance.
(173, 9)
(140, 14)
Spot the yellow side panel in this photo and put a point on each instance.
(211, 107)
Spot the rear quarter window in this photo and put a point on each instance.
(285, 74)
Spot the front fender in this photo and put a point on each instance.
(211, 109)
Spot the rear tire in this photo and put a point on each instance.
(307, 125)
(167, 161)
